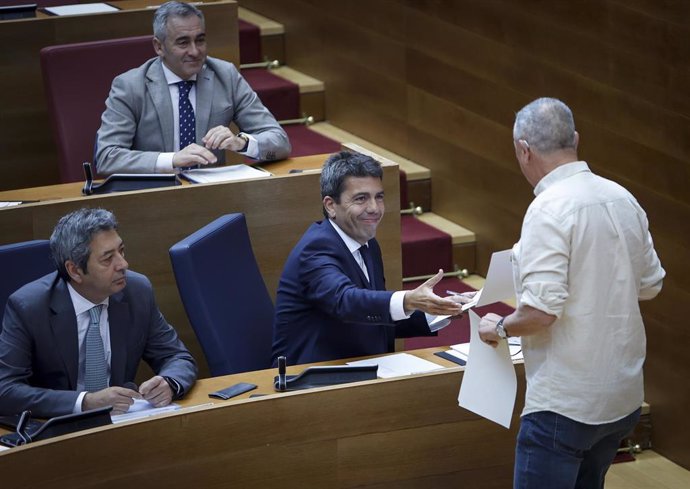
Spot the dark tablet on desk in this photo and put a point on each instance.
(11, 12)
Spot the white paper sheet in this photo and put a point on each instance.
(398, 365)
(514, 346)
(499, 280)
(498, 285)
(81, 9)
(489, 385)
(142, 409)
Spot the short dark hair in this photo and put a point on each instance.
(546, 124)
(172, 9)
(344, 164)
(72, 236)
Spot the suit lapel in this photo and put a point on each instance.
(118, 320)
(157, 87)
(204, 95)
(63, 324)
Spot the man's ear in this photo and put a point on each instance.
(523, 148)
(158, 46)
(75, 273)
(577, 139)
(329, 205)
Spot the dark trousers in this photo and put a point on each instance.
(556, 452)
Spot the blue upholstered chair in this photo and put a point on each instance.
(20, 264)
(225, 296)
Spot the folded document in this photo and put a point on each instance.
(224, 174)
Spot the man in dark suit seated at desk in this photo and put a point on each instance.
(72, 339)
(174, 110)
(332, 300)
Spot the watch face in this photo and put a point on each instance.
(500, 330)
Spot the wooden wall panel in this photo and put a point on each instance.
(451, 74)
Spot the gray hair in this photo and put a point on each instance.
(546, 124)
(71, 238)
(172, 9)
(344, 164)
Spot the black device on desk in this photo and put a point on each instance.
(11, 12)
(27, 432)
(321, 376)
(232, 391)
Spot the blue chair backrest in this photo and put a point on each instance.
(22, 263)
(225, 296)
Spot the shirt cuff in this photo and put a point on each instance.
(175, 386)
(397, 308)
(252, 150)
(164, 163)
(77, 405)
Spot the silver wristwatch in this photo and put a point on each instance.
(500, 330)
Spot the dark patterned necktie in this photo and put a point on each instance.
(187, 119)
(366, 256)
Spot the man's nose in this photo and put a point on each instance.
(374, 205)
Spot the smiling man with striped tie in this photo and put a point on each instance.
(72, 340)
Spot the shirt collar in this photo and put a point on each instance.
(171, 77)
(80, 303)
(560, 173)
(351, 244)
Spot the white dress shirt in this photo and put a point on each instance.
(585, 255)
(81, 309)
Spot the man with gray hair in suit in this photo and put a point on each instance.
(174, 110)
(73, 340)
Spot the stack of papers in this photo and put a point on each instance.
(399, 365)
(224, 174)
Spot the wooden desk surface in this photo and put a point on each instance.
(73, 190)
(404, 432)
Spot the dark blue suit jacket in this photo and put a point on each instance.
(325, 307)
(39, 350)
